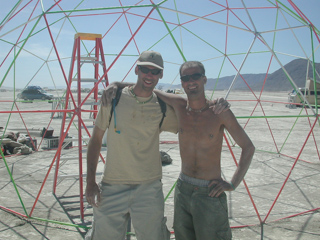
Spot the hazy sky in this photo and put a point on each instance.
(223, 38)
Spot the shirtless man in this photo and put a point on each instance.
(200, 203)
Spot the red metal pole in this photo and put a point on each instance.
(287, 178)
(244, 182)
(115, 60)
(78, 112)
(47, 175)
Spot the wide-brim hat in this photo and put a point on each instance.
(150, 58)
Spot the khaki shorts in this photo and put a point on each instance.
(144, 203)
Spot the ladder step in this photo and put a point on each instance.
(87, 127)
(92, 103)
(88, 80)
(94, 62)
(76, 175)
(87, 58)
(75, 139)
(83, 119)
(71, 176)
(68, 158)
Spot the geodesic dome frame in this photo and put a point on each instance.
(229, 37)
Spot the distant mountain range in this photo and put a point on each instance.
(276, 81)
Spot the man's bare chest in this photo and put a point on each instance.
(199, 126)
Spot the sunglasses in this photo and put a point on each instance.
(146, 70)
(195, 76)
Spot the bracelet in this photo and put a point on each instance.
(232, 186)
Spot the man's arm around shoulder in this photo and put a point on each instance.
(110, 92)
(169, 98)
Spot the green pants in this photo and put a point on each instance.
(198, 216)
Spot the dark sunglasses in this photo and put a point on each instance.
(195, 76)
(146, 70)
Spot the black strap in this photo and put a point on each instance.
(163, 107)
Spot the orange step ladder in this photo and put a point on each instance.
(80, 101)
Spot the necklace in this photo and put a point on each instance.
(190, 109)
(137, 100)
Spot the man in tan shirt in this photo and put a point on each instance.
(131, 182)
